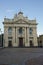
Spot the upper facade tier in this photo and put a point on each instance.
(18, 17)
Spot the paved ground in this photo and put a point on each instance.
(18, 56)
(35, 61)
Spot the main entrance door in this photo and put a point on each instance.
(31, 43)
(10, 44)
(20, 42)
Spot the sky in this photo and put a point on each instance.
(31, 8)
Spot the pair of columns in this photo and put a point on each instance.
(26, 35)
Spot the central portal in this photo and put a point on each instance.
(20, 42)
(10, 44)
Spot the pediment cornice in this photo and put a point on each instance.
(21, 21)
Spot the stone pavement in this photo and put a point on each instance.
(35, 61)
(18, 56)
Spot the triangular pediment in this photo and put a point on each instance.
(20, 21)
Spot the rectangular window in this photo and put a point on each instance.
(20, 30)
(30, 31)
(10, 30)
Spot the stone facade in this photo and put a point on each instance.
(40, 41)
(20, 31)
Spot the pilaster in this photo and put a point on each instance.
(5, 37)
(35, 37)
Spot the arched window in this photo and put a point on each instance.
(30, 30)
(10, 30)
(20, 30)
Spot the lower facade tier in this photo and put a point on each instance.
(10, 44)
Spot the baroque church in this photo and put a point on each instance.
(20, 31)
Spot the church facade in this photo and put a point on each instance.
(20, 31)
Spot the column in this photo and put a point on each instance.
(16, 38)
(13, 36)
(35, 36)
(5, 37)
(27, 36)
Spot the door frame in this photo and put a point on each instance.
(20, 41)
(31, 43)
(10, 43)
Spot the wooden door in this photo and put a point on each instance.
(10, 44)
(20, 42)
